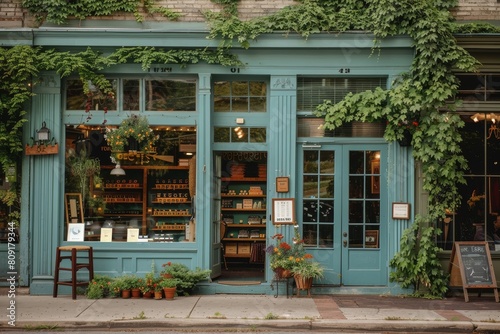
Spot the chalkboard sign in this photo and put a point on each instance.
(471, 267)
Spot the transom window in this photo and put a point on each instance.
(240, 96)
(312, 91)
(171, 94)
(484, 87)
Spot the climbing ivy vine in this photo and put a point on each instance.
(59, 12)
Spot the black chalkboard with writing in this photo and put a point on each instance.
(476, 264)
(471, 267)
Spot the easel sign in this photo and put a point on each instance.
(283, 211)
(471, 267)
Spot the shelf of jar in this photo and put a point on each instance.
(117, 201)
(171, 186)
(171, 215)
(180, 227)
(169, 200)
(119, 186)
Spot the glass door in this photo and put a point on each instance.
(341, 205)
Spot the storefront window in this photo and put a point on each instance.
(240, 96)
(149, 200)
(173, 94)
(474, 219)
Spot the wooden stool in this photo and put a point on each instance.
(74, 267)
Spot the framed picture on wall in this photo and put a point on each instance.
(74, 207)
(283, 211)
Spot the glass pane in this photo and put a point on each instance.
(310, 234)
(239, 104)
(239, 88)
(326, 188)
(310, 211)
(221, 88)
(356, 239)
(356, 162)
(310, 161)
(258, 104)
(356, 186)
(239, 135)
(258, 88)
(171, 95)
(327, 162)
(372, 209)
(258, 135)
(326, 211)
(222, 104)
(326, 236)
(75, 98)
(222, 135)
(355, 212)
(131, 89)
(310, 186)
(95, 100)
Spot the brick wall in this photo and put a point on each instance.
(12, 15)
(474, 10)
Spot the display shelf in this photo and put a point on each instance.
(145, 193)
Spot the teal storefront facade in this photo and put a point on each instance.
(359, 176)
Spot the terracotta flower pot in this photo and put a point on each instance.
(126, 294)
(169, 293)
(282, 273)
(158, 294)
(148, 294)
(136, 293)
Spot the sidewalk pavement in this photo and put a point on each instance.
(363, 313)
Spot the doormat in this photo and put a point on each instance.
(239, 282)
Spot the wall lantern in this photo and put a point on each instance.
(43, 134)
(42, 143)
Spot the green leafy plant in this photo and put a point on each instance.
(53, 11)
(169, 282)
(99, 287)
(186, 278)
(417, 264)
(134, 127)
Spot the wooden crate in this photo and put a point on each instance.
(244, 248)
(231, 248)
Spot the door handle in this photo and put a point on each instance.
(345, 243)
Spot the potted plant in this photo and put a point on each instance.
(124, 284)
(281, 257)
(146, 287)
(133, 134)
(186, 278)
(305, 271)
(136, 284)
(169, 286)
(157, 288)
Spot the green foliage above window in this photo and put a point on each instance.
(57, 11)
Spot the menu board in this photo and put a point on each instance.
(471, 267)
